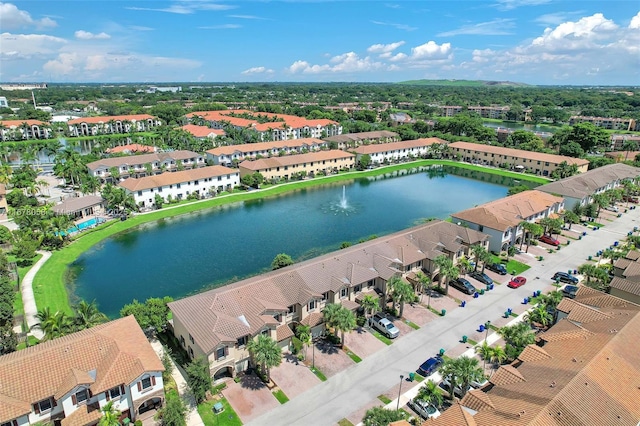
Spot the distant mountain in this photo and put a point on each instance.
(459, 83)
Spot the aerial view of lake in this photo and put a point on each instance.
(189, 253)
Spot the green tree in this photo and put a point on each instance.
(517, 189)
(380, 416)
(539, 315)
(88, 315)
(198, 378)
(402, 292)
(570, 217)
(516, 337)
(110, 415)
(303, 332)
(54, 325)
(280, 261)
(461, 372)
(364, 162)
(152, 314)
(158, 201)
(431, 394)
(174, 412)
(265, 353)
(369, 304)
(329, 313)
(345, 321)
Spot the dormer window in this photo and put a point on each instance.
(344, 292)
(312, 305)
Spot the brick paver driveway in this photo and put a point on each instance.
(293, 377)
(330, 359)
(250, 398)
(363, 343)
(419, 314)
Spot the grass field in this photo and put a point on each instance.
(228, 417)
(18, 307)
(49, 283)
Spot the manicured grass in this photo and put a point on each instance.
(513, 266)
(493, 327)
(412, 324)
(18, 307)
(217, 389)
(32, 340)
(280, 396)
(345, 422)
(418, 378)
(472, 342)
(318, 373)
(382, 338)
(513, 314)
(228, 417)
(353, 356)
(599, 225)
(49, 283)
(384, 399)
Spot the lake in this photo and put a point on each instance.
(189, 253)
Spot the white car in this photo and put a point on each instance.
(458, 391)
(425, 410)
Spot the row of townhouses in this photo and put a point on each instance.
(396, 151)
(217, 324)
(606, 122)
(279, 127)
(353, 140)
(66, 381)
(626, 277)
(289, 166)
(229, 154)
(93, 126)
(24, 129)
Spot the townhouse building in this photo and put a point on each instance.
(352, 140)
(66, 381)
(218, 323)
(618, 141)
(14, 130)
(580, 189)
(395, 151)
(144, 164)
(230, 154)
(202, 132)
(450, 110)
(501, 219)
(289, 166)
(495, 112)
(3, 202)
(269, 126)
(93, 126)
(201, 182)
(626, 277)
(581, 371)
(514, 159)
(605, 122)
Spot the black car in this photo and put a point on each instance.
(570, 291)
(565, 278)
(463, 285)
(498, 268)
(482, 277)
(430, 366)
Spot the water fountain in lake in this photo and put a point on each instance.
(343, 200)
(342, 206)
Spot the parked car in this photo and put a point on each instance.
(565, 278)
(612, 209)
(631, 199)
(424, 409)
(498, 268)
(517, 282)
(549, 240)
(479, 384)
(384, 326)
(447, 387)
(570, 291)
(482, 277)
(430, 366)
(463, 285)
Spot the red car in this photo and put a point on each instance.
(517, 282)
(549, 240)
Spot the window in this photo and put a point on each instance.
(358, 288)
(325, 296)
(190, 352)
(292, 309)
(115, 392)
(182, 340)
(146, 383)
(80, 397)
(344, 292)
(312, 305)
(43, 406)
(219, 178)
(7, 424)
(242, 341)
(278, 317)
(221, 352)
(139, 193)
(178, 185)
(191, 338)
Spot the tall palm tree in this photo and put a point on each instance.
(401, 292)
(54, 324)
(329, 313)
(369, 304)
(443, 263)
(88, 315)
(266, 353)
(539, 315)
(304, 335)
(423, 284)
(461, 372)
(431, 394)
(345, 321)
(497, 355)
(110, 415)
(516, 337)
(478, 252)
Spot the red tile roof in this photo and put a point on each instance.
(291, 121)
(108, 118)
(17, 123)
(164, 179)
(131, 148)
(288, 160)
(393, 146)
(518, 153)
(266, 146)
(202, 131)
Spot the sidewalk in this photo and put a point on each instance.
(28, 299)
(178, 374)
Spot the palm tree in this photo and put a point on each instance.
(266, 353)
(516, 337)
(329, 313)
(601, 200)
(497, 355)
(551, 299)
(53, 325)
(431, 394)
(423, 284)
(464, 265)
(589, 270)
(388, 288)
(88, 315)
(443, 263)
(110, 416)
(570, 218)
(345, 321)
(539, 315)
(369, 305)
(402, 292)
(484, 350)
(478, 252)
(461, 372)
(304, 335)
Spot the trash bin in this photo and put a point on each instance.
(589, 258)
(506, 314)
(464, 339)
(525, 301)
(441, 352)
(443, 312)
(475, 295)
(481, 328)
(463, 303)
(412, 377)
(482, 291)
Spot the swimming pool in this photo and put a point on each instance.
(82, 225)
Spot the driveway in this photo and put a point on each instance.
(362, 343)
(293, 377)
(418, 314)
(250, 398)
(330, 359)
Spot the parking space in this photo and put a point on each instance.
(418, 314)
(496, 277)
(440, 302)
(330, 359)
(361, 342)
(250, 398)
(293, 377)
(356, 417)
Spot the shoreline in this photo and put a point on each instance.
(49, 284)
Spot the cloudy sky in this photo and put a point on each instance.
(531, 41)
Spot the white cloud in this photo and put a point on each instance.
(513, 4)
(86, 35)
(635, 22)
(384, 48)
(187, 7)
(431, 50)
(494, 27)
(403, 27)
(140, 28)
(221, 27)
(13, 18)
(252, 17)
(26, 46)
(576, 35)
(557, 18)
(257, 70)
(345, 63)
(64, 64)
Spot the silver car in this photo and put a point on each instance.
(424, 409)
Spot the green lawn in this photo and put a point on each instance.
(382, 338)
(280, 396)
(345, 422)
(318, 373)
(32, 340)
(384, 399)
(18, 307)
(353, 356)
(226, 418)
(412, 324)
(599, 225)
(513, 266)
(49, 283)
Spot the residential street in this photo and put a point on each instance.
(330, 401)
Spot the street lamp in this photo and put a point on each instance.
(486, 327)
(399, 392)
(313, 362)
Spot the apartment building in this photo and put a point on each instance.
(626, 280)
(618, 141)
(228, 154)
(202, 132)
(269, 126)
(352, 140)
(144, 164)
(395, 151)
(93, 126)
(3, 202)
(202, 182)
(66, 381)
(15, 130)
(495, 112)
(450, 110)
(310, 164)
(219, 323)
(605, 122)
(501, 219)
(579, 189)
(514, 159)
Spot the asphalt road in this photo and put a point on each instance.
(341, 395)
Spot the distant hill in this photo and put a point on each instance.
(460, 83)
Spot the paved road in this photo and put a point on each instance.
(330, 401)
(28, 299)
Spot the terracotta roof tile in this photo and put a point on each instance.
(392, 146)
(17, 123)
(505, 375)
(108, 118)
(477, 400)
(633, 255)
(625, 285)
(565, 330)
(283, 332)
(131, 160)
(289, 160)
(533, 353)
(202, 131)
(362, 136)
(267, 146)
(164, 179)
(586, 184)
(455, 415)
(131, 148)
(313, 319)
(84, 415)
(511, 152)
(12, 408)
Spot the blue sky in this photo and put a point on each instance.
(530, 41)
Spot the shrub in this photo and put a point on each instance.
(296, 345)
